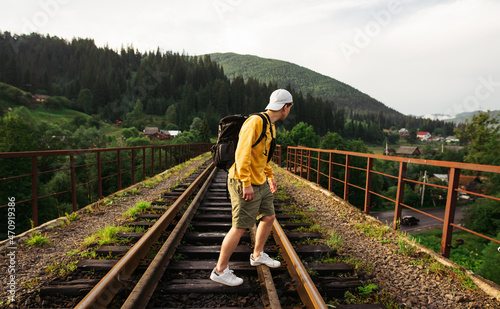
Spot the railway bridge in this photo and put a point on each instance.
(142, 228)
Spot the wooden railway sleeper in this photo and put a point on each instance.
(103, 293)
(143, 291)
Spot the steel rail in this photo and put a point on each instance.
(145, 288)
(103, 293)
(308, 292)
(270, 297)
(143, 291)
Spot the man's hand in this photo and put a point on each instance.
(248, 193)
(273, 185)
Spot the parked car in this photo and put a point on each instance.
(409, 220)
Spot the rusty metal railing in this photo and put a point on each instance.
(139, 161)
(278, 154)
(340, 166)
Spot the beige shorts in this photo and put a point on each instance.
(245, 213)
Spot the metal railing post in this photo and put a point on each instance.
(309, 162)
(330, 172)
(174, 155)
(319, 167)
(73, 182)
(400, 194)
(346, 178)
(152, 161)
(295, 161)
(301, 161)
(449, 216)
(99, 175)
(369, 166)
(166, 157)
(159, 158)
(34, 190)
(143, 162)
(119, 168)
(288, 156)
(133, 166)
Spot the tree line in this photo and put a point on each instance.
(107, 83)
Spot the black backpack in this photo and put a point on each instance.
(229, 130)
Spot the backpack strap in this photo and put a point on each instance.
(271, 126)
(265, 120)
(273, 140)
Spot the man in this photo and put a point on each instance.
(251, 195)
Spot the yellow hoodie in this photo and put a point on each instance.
(251, 165)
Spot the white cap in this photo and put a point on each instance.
(278, 99)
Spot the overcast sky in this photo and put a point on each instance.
(416, 56)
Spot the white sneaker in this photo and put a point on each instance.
(227, 277)
(264, 259)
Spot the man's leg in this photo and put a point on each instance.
(228, 246)
(263, 231)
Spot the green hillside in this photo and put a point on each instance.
(300, 78)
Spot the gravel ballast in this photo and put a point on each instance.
(409, 284)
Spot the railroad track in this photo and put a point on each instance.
(168, 266)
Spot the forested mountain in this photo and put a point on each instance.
(109, 83)
(302, 79)
(137, 88)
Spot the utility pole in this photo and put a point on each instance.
(423, 188)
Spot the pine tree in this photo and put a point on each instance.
(490, 268)
(171, 114)
(84, 101)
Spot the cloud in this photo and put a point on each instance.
(428, 56)
(411, 55)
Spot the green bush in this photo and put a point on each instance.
(138, 141)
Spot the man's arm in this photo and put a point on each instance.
(273, 185)
(243, 157)
(243, 154)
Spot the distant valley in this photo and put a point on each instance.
(458, 118)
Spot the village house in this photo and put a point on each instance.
(452, 139)
(408, 151)
(423, 136)
(153, 133)
(403, 133)
(173, 133)
(390, 152)
(470, 183)
(39, 98)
